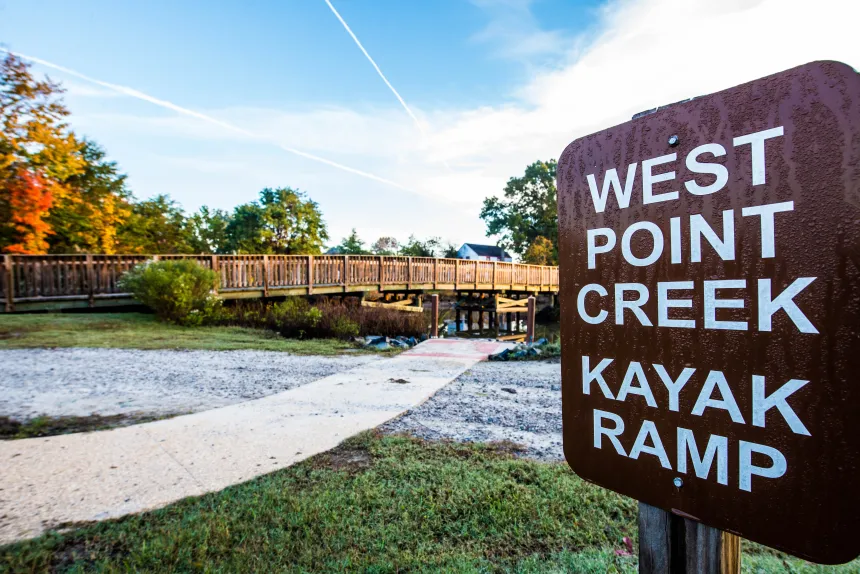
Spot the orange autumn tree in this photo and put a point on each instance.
(29, 199)
(38, 154)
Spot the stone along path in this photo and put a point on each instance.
(45, 482)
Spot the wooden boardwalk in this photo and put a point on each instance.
(34, 282)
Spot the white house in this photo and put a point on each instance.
(483, 252)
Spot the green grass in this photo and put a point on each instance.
(141, 331)
(51, 426)
(376, 504)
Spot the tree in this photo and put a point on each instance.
(385, 246)
(352, 245)
(207, 231)
(450, 251)
(155, 226)
(527, 211)
(38, 154)
(541, 252)
(28, 199)
(97, 204)
(417, 248)
(282, 221)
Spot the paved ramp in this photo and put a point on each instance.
(45, 482)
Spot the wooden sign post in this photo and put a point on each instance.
(710, 283)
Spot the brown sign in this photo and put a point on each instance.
(710, 289)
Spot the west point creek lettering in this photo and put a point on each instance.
(594, 303)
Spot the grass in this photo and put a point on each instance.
(376, 504)
(142, 331)
(50, 426)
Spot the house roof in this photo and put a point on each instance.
(487, 250)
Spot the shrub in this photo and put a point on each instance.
(296, 317)
(178, 290)
(344, 328)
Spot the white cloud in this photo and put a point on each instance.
(645, 53)
(515, 33)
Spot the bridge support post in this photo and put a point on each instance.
(517, 318)
(457, 321)
(530, 320)
(434, 316)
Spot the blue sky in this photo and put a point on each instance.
(495, 84)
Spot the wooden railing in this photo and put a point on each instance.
(87, 279)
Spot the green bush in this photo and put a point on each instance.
(344, 328)
(179, 291)
(296, 317)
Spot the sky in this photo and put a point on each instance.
(210, 101)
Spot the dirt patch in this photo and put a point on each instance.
(347, 459)
(51, 426)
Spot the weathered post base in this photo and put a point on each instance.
(672, 544)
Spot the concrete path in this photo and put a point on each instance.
(46, 482)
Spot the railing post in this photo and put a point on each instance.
(217, 272)
(456, 274)
(265, 275)
(91, 281)
(435, 272)
(409, 273)
(310, 274)
(381, 273)
(475, 276)
(494, 275)
(434, 314)
(10, 283)
(345, 272)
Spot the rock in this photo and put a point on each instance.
(509, 390)
(399, 381)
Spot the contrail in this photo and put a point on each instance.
(378, 71)
(131, 92)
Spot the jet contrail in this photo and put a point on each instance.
(131, 92)
(378, 71)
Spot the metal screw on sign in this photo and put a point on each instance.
(674, 140)
(678, 482)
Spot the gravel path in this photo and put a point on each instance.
(480, 406)
(81, 382)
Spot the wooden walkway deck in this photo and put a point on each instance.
(33, 282)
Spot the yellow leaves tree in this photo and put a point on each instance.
(541, 252)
